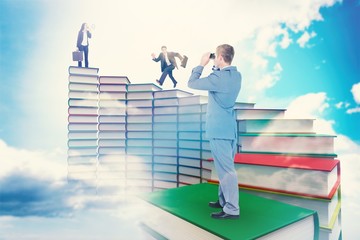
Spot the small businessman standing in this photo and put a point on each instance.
(168, 64)
(223, 86)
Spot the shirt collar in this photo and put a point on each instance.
(226, 67)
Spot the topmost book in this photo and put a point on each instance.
(83, 71)
(144, 87)
(114, 80)
(174, 93)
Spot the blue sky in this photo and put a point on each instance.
(299, 55)
(330, 64)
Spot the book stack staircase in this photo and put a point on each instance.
(137, 138)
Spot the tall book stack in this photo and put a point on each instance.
(283, 159)
(82, 127)
(192, 144)
(165, 137)
(139, 145)
(112, 134)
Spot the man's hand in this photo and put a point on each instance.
(153, 55)
(205, 59)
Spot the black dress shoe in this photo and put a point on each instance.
(223, 215)
(215, 204)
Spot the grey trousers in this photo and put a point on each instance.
(223, 152)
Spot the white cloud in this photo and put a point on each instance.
(339, 105)
(322, 126)
(34, 192)
(43, 164)
(270, 79)
(303, 13)
(286, 40)
(265, 43)
(353, 110)
(355, 90)
(310, 105)
(304, 39)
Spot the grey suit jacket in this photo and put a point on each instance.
(223, 87)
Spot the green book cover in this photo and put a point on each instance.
(258, 216)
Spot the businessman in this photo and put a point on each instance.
(223, 86)
(168, 64)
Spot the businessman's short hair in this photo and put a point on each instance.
(227, 52)
(163, 47)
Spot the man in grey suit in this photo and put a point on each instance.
(168, 64)
(223, 86)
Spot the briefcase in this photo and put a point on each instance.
(77, 56)
(184, 61)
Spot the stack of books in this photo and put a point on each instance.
(140, 138)
(83, 127)
(112, 134)
(183, 213)
(283, 159)
(139, 143)
(192, 143)
(165, 138)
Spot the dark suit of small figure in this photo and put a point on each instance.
(83, 43)
(168, 64)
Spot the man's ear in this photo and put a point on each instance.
(221, 58)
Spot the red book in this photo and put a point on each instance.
(305, 176)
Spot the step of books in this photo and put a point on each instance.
(183, 109)
(114, 80)
(112, 103)
(104, 95)
(79, 78)
(169, 97)
(327, 209)
(83, 87)
(193, 100)
(73, 70)
(286, 143)
(256, 113)
(83, 118)
(305, 176)
(83, 102)
(83, 95)
(260, 218)
(143, 87)
(275, 126)
(83, 110)
(134, 103)
(168, 94)
(112, 89)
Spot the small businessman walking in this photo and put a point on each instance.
(168, 64)
(223, 86)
